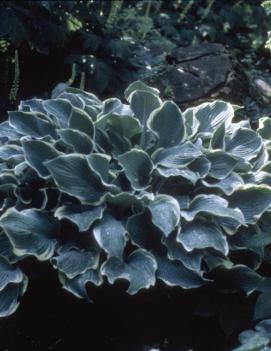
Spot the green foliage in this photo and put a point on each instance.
(256, 340)
(105, 190)
(108, 44)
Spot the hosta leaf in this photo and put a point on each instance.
(110, 235)
(191, 260)
(74, 99)
(212, 115)
(81, 121)
(174, 273)
(191, 123)
(83, 95)
(143, 103)
(245, 143)
(73, 262)
(252, 239)
(73, 176)
(129, 199)
(137, 166)
(258, 340)
(214, 205)
(222, 164)
(114, 106)
(252, 200)
(142, 232)
(229, 224)
(124, 125)
(32, 105)
(119, 144)
(165, 212)
(266, 167)
(167, 121)
(82, 215)
(7, 131)
(9, 297)
(9, 151)
(261, 159)
(6, 249)
(9, 274)
(218, 138)
(238, 277)
(260, 177)
(201, 234)
(60, 109)
(185, 173)
(30, 124)
(77, 285)
(200, 166)
(36, 152)
(228, 185)
(177, 156)
(79, 141)
(31, 232)
(99, 163)
(262, 308)
(264, 129)
(138, 85)
(139, 270)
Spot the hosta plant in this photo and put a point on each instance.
(137, 191)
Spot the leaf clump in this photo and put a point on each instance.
(147, 191)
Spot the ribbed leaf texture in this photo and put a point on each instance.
(149, 193)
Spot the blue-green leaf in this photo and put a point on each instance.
(31, 232)
(218, 138)
(138, 85)
(222, 164)
(201, 234)
(177, 156)
(139, 270)
(212, 115)
(176, 251)
(264, 129)
(165, 212)
(137, 166)
(79, 141)
(99, 163)
(36, 152)
(60, 109)
(124, 125)
(30, 124)
(142, 104)
(77, 285)
(214, 205)
(110, 235)
(82, 215)
(252, 200)
(10, 151)
(81, 121)
(74, 176)
(73, 262)
(9, 297)
(245, 143)
(7, 131)
(174, 273)
(228, 185)
(168, 123)
(262, 307)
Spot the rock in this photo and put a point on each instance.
(193, 72)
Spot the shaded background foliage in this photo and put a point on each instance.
(105, 45)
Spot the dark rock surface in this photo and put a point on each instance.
(193, 72)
